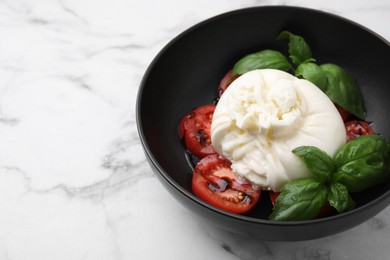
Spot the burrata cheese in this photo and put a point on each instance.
(263, 115)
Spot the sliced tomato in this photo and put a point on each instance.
(225, 82)
(180, 128)
(356, 128)
(345, 115)
(214, 182)
(325, 211)
(194, 129)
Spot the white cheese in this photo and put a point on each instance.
(263, 115)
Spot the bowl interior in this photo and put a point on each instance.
(187, 71)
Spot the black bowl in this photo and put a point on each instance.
(186, 73)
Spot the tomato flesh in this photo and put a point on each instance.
(214, 182)
(194, 129)
(225, 82)
(356, 128)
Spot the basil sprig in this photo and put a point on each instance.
(342, 89)
(300, 200)
(339, 198)
(358, 165)
(333, 80)
(313, 73)
(265, 59)
(319, 163)
(363, 163)
(299, 50)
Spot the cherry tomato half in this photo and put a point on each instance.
(325, 211)
(225, 82)
(194, 128)
(343, 113)
(356, 128)
(214, 182)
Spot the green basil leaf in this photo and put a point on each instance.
(363, 163)
(339, 198)
(319, 163)
(298, 49)
(266, 59)
(299, 199)
(312, 72)
(343, 90)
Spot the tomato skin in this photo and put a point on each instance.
(214, 182)
(345, 115)
(325, 211)
(356, 128)
(225, 82)
(194, 129)
(180, 127)
(273, 195)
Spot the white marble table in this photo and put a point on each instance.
(74, 182)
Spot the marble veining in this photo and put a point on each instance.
(74, 182)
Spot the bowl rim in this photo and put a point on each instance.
(189, 195)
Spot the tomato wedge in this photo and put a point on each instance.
(225, 82)
(194, 129)
(325, 211)
(356, 128)
(214, 182)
